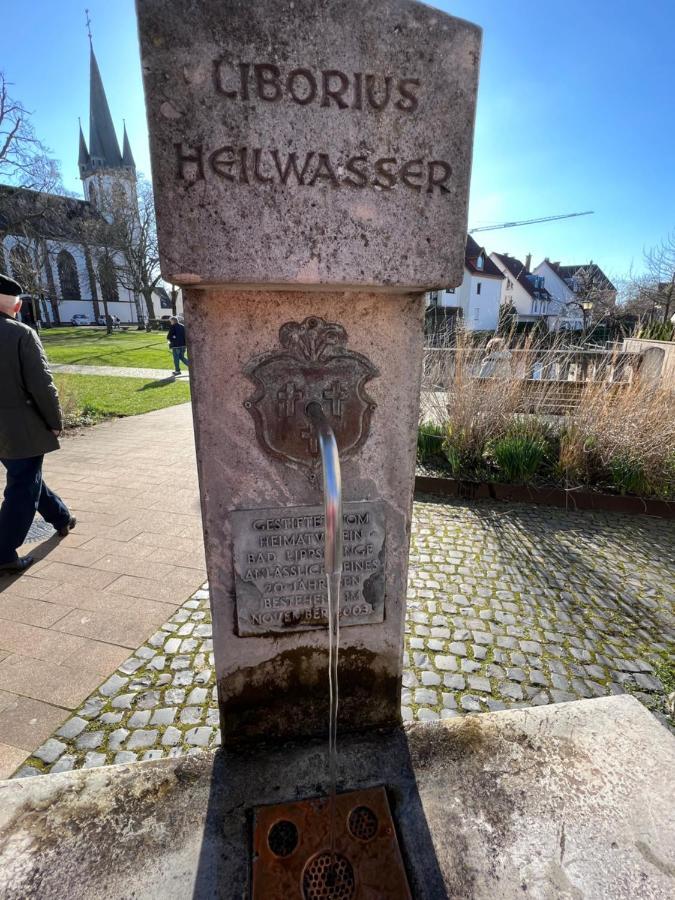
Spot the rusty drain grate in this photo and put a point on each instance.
(328, 878)
(291, 860)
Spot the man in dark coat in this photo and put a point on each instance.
(30, 424)
(177, 344)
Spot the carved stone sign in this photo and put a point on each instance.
(314, 365)
(279, 568)
(330, 148)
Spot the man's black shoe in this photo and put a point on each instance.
(17, 565)
(72, 522)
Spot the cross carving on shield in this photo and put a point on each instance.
(313, 365)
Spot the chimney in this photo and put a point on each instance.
(528, 262)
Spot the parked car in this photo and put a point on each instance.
(80, 319)
(100, 320)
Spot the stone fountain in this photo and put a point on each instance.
(311, 163)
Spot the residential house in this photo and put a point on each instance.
(476, 301)
(580, 294)
(522, 291)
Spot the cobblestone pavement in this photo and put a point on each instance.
(160, 702)
(517, 605)
(508, 605)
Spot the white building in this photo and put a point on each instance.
(523, 291)
(476, 301)
(48, 243)
(573, 286)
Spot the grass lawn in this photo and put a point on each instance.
(89, 398)
(94, 347)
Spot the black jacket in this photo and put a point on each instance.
(176, 336)
(29, 401)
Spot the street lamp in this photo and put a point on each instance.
(586, 308)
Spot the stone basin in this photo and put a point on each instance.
(568, 801)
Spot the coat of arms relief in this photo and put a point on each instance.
(314, 364)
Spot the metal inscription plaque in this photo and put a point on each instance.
(314, 365)
(279, 568)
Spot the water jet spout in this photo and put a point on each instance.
(332, 487)
(333, 538)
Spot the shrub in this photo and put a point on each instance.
(576, 456)
(462, 451)
(658, 331)
(519, 453)
(628, 475)
(429, 441)
(627, 436)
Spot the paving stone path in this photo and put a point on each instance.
(508, 606)
(92, 597)
(116, 371)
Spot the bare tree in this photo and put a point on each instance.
(24, 159)
(30, 180)
(651, 294)
(659, 284)
(135, 235)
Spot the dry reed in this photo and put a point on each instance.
(599, 431)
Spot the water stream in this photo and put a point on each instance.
(333, 584)
(332, 499)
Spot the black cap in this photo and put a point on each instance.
(9, 286)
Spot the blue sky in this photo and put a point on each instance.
(575, 112)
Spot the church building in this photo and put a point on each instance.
(63, 250)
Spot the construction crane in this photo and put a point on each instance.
(530, 221)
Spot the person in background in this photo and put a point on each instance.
(30, 424)
(177, 345)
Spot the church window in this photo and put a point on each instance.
(92, 195)
(108, 279)
(22, 268)
(68, 278)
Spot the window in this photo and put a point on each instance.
(478, 286)
(92, 195)
(480, 263)
(108, 279)
(476, 313)
(70, 283)
(450, 291)
(509, 284)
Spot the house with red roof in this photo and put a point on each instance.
(580, 293)
(475, 303)
(523, 291)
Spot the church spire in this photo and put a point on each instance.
(127, 155)
(83, 159)
(104, 150)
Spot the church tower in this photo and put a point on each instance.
(108, 175)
